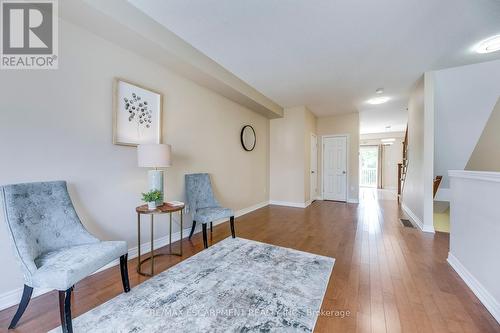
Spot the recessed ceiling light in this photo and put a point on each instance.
(388, 140)
(488, 45)
(379, 91)
(378, 100)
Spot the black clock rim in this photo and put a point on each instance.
(241, 138)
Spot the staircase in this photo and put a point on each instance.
(403, 167)
(437, 182)
(403, 170)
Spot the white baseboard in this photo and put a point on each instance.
(12, 297)
(417, 220)
(304, 204)
(350, 200)
(250, 209)
(289, 204)
(429, 229)
(490, 303)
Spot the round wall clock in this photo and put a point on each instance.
(248, 138)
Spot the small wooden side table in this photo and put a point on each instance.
(163, 209)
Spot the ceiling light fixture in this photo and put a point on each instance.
(379, 91)
(388, 140)
(378, 100)
(488, 45)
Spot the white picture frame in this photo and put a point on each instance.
(137, 114)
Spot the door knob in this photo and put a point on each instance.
(343, 172)
(312, 171)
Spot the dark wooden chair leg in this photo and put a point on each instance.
(124, 272)
(231, 223)
(205, 242)
(25, 299)
(65, 311)
(211, 227)
(192, 229)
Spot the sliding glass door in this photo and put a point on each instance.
(368, 166)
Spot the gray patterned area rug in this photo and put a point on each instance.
(236, 285)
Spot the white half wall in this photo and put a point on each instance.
(475, 234)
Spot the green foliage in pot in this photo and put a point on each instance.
(151, 196)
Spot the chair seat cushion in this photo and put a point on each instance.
(210, 214)
(63, 268)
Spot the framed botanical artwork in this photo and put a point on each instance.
(137, 114)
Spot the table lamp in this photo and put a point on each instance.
(155, 156)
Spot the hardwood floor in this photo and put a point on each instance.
(386, 278)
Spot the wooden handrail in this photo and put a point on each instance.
(437, 182)
(400, 167)
(405, 145)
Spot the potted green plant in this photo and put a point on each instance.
(151, 197)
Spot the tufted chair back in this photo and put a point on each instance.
(41, 218)
(199, 191)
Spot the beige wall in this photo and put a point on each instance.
(417, 198)
(57, 125)
(289, 156)
(310, 127)
(343, 124)
(413, 191)
(391, 156)
(132, 29)
(486, 156)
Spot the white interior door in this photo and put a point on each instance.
(335, 168)
(314, 167)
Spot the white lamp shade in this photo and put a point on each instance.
(154, 155)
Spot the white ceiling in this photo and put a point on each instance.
(371, 121)
(331, 55)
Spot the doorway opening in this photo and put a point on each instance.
(368, 166)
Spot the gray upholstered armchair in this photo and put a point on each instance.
(203, 205)
(53, 247)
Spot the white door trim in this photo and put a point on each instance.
(348, 148)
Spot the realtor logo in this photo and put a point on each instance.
(29, 34)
